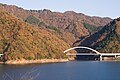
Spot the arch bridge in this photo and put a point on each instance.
(100, 55)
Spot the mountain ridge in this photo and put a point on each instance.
(68, 23)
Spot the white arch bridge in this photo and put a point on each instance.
(100, 55)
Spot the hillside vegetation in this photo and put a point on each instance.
(111, 42)
(20, 40)
(105, 40)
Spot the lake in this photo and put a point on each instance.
(73, 70)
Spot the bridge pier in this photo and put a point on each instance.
(100, 57)
(115, 56)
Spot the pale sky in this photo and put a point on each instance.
(101, 8)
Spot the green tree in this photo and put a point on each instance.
(32, 20)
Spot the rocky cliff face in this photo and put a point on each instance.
(68, 23)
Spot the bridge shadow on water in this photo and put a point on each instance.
(87, 58)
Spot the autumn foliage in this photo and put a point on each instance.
(20, 40)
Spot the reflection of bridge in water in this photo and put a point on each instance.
(97, 55)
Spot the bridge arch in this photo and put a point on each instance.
(82, 47)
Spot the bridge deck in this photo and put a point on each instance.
(81, 54)
(110, 54)
(101, 54)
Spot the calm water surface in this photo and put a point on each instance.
(74, 70)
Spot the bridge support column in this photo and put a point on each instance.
(100, 57)
(115, 57)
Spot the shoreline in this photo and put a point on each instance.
(41, 61)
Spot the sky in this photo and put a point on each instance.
(101, 8)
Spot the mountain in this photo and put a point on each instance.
(20, 40)
(31, 34)
(105, 40)
(70, 26)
